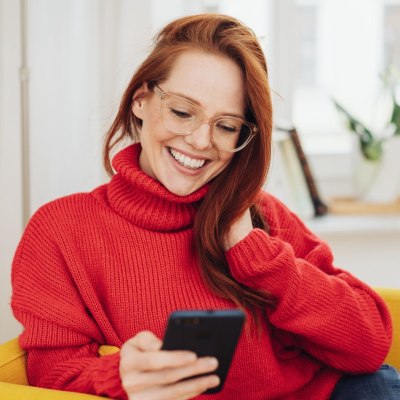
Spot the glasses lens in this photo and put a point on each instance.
(179, 116)
(231, 134)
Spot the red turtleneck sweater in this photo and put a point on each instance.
(97, 268)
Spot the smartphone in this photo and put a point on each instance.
(206, 333)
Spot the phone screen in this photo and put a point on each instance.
(207, 333)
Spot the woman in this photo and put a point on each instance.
(183, 225)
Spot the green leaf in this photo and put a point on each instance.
(369, 145)
(355, 125)
(372, 150)
(395, 118)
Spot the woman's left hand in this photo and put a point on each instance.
(239, 230)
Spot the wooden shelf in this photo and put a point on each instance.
(346, 225)
(347, 206)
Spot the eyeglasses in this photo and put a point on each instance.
(182, 117)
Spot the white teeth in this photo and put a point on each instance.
(187, 161)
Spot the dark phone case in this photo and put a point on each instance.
(207, 333)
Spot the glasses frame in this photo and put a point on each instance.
(210, 121)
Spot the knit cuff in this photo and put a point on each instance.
(106, 378)
(259, 257)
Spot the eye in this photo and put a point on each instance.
(228, 127)
(180, 114)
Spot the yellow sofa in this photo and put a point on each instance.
(14, 384)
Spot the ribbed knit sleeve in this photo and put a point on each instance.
(60, 335)
(326, 311)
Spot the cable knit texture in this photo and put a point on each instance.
(96, 268)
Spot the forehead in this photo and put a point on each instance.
(215, 82)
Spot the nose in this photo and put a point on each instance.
(200, 138)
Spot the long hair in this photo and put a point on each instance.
(237, 187)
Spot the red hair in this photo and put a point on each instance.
(236, 188)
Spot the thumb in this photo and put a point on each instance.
(146, 341)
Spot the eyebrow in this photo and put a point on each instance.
(199, 104)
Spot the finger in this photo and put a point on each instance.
(159, 360)
(142, 342)
(182, 390)
(145, 341)
(140, 381)
(173, 375)
(138, 354)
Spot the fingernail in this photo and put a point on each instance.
(212, 362)
(214, 381)
(190, 357)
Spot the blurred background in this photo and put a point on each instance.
(65, 63)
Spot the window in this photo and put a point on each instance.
(307, 15)
(344, 48)
(313, 111)
(392, 34)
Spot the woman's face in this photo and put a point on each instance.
(185, 163)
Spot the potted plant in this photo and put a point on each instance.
(377, 173)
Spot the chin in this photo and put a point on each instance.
(181, 191)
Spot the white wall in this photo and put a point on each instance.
(81, 56)
(11, 224)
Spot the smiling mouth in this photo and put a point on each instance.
(187, 162)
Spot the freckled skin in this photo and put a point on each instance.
(217, 84)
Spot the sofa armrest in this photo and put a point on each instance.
(14, 383)
(12, 363)
(12, 391)
(392, 299)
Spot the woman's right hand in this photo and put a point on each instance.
(148, 373)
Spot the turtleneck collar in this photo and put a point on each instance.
(145, 201)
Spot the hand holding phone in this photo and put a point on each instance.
(206, 333)
(147, 371)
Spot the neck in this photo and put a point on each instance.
(144, 201)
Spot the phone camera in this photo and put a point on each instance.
(188, 321)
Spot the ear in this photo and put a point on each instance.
(139, 100)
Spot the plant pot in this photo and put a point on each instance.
(378, 181)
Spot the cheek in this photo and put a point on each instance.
(153, 130)
(226, 158)
(224, 163)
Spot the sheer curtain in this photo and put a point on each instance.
(10, 155)
(80, 55)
